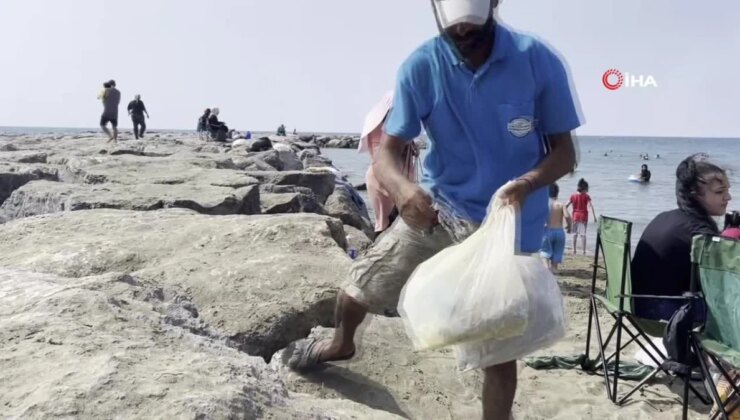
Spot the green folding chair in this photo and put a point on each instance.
(613, 242)
(716, 263)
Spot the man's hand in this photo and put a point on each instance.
(515, 193)
(415, 208)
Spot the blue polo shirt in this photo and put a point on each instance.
(486, 127)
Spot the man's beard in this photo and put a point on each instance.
(473, 40)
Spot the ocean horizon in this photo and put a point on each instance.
(5, 130)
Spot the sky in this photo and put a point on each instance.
(319, 66)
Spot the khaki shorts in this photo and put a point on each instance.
(378, 276)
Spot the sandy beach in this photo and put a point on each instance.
(387, 375)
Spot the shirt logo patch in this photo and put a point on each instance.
(521, 126)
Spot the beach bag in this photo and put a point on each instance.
(676, 340)
(471, 291)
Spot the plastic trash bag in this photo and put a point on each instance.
(471, 291)
(546, 326)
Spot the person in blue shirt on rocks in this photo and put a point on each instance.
(497, 107)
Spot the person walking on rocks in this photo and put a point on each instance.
(111, 98)
(137, 109)
(497, 107)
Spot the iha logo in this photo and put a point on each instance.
(614, 79)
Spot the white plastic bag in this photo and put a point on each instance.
(546, 323)
(471, 291)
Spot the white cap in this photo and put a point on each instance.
(452, 12)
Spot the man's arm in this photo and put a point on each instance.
(414, 205)
(145, 111)
(388, 165)
(556, 164)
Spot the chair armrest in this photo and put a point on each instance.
(660, 297)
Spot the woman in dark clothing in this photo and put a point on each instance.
(215, 125)
(662, 261)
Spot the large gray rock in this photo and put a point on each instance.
(289, 203)
(312, 159)
(41, 197)
(336, 144)
(341, 205)
(278, 160)
(357, 239)
(290, 161)
(343, 143)
(282, 189)
(125, 169)
(321, 183)
(261, 281)
(14, 176)
(23, 157)
(116, 346)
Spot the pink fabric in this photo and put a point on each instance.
(732, 233)
(373, 119)
(380, 199)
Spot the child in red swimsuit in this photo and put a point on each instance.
(581, 202)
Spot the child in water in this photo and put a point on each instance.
(581, 202)
(553, 243)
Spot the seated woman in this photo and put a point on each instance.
(662, 261)
(218, 128)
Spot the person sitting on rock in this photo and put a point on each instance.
(203, 121)
(281, 130)
(218, 129)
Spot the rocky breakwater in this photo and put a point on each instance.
(157, 279)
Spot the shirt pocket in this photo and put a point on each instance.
(519, 131)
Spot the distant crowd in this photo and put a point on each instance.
(209, 126)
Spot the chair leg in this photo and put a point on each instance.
(699, 351)
(639, 385)
(588, 333)
(696, 392)
(601, 349)
(616, 359)
(686, 381)
(605, 344)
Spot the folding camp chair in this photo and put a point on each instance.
(716, 263)
(613, 241)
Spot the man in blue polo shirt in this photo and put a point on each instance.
(497, 107)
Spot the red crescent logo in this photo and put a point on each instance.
(609, 85)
